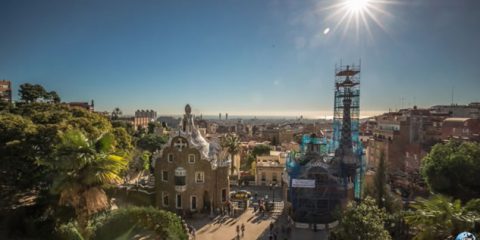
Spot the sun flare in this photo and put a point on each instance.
(359, 15)
(357, 5)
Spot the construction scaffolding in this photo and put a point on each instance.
(314, 190)
(345, 142)
(326, 173)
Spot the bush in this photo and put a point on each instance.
(165, 224)
(68, 232)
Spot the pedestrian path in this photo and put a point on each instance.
(284, 231)
(225, 228)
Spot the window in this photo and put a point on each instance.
(165, 199)
(179, 201)
(165, 176)
(274, 176)
(193, 203)
(199, 177)
(191, 158)
(170, 157)
(264, 176)
(180, 175)
(180, 181)
(224, 195)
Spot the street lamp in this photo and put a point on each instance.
(272, 188)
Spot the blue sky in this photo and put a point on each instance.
(250, 57)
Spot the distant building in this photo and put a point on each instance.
(269, 168)
(396, 133)
(150, 114)
(170, 122)
(466, 129)
(191, 173)
(277, 136)
(85, 105)
(471, 110)
(6, 90)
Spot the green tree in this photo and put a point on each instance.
(362, 221)
(31, 93)
(380, 182)
(380, 190)
(116, 113)
(260, 150)
(123, 140)
(83, 169)
(231, 143)
(440, 218)
(4, 105)
(123, 124)
(30, 131)
(151, 142)
(54, 97)
(164, 224)
(152, 126)
(452, 169)
(17, 159)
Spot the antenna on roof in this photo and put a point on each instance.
(453, 91)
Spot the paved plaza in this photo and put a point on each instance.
(256, 227)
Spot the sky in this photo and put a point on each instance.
(244, 57)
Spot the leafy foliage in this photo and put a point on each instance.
(151, 142)
(260, 150)
(452, 169)
(32, 93)
(68, 231)
(116, 113)
(17, 162)
(83, 168)
(362, 221)
(114, 224)
(440, 218)
(231, 143)
(152, 126)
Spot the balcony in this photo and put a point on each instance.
(180, 188)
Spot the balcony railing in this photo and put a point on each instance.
(180, 188)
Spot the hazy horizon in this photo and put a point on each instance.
(269, 57)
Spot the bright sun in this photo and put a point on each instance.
(357, 5)
(358, 15)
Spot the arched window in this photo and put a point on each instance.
(191, 158)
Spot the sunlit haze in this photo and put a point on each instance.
(243, 57)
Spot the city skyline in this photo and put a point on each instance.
(242, 58)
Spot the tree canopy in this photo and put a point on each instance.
(231, 143)
(83, 168)
(33, 92)
(260, 150)
(30, 131)
(151, 142)
(452, 169)
(441, 218)
(363, 221)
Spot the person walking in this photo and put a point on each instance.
(238, 230)
(243, 229)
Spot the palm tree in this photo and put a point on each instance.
(440, 218)
(116, 113)
(232, 144)
(83, 169)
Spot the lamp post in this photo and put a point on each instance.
(272, 188)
